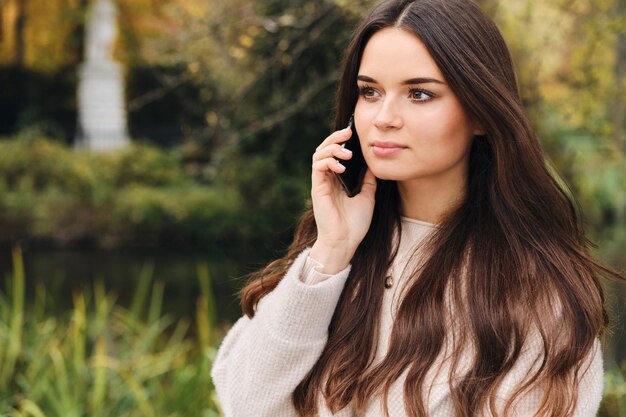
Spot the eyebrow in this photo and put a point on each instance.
(418, 80)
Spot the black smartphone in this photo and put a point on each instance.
(352, 178)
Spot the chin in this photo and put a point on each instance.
(386, 177)
(385, 174)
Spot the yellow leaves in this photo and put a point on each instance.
(246, 41)
(237, 52)
(358, 7)
(195, 9)
(47, 35)
(253, 30)
(287, 20)
(564, 54)
(193, 67)
(8, 19)
(211, 118)
(283, 44)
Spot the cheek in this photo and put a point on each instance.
(445, 129)
(441, 141)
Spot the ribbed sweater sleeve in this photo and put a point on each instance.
(262, 360)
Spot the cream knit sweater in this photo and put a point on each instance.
(262, 360)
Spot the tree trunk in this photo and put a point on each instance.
(1, 21)
(79, 32)
(20, 26)
(620, 75)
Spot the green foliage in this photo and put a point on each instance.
(265, 74)
(146, 165)
(565, 55)
(100, 359)
(286, 110)
(42, 34)
(250, 87)
(140, 195)
(596, 172)
(186, 211)
(29, 165)
(614, 400)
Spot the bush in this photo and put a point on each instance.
(140, 195)
(614, 401)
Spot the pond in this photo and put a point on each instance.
(62, 270)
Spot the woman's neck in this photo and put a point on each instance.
(430, 200)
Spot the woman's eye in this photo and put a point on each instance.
(367, 92)
(417, 94)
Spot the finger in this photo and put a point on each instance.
(334, 150)
(322, 168)
(328, 164)
(336, 137)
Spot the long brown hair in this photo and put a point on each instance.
(515, 247)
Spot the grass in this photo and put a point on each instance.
(100, 359)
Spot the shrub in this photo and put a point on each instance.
(137, 195)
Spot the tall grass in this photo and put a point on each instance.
(101, 360)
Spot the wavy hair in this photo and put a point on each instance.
(515, 247)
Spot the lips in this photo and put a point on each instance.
(380, 148)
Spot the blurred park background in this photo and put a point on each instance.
(121, 261)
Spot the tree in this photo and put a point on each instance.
(20, 30)
(620, 76)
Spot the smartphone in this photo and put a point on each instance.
(352, 178)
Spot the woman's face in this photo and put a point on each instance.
(410, 124)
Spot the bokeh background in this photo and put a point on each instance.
(120, 269)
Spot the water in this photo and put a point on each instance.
(61, 271)
(64, 270)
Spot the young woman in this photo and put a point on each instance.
(458, 281)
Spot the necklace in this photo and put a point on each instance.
(389, 279)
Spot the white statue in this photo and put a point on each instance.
(102, 114)
(101, 31)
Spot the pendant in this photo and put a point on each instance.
(389, 281)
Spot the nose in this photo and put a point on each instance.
(387, 117)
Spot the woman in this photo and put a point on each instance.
(458, 281)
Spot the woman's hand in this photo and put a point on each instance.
(342, 222)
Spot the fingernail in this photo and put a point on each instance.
(341, 165)
(346, 150)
